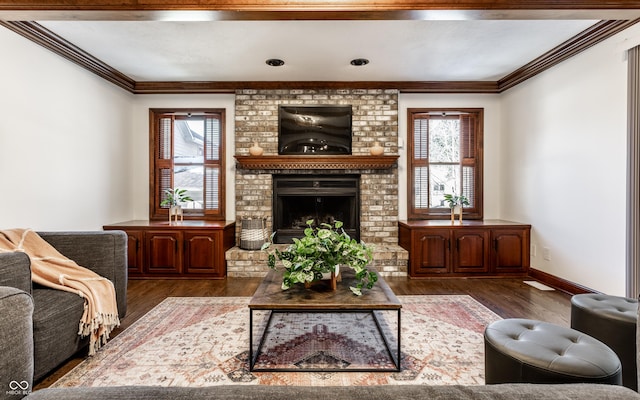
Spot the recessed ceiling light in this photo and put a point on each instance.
(274, 62)
(359, 62)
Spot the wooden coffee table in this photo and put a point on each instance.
(269, 299)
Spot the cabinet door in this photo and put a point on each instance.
(432, 252)
(135, 252)
(164, 252)
(201, 253)
(470, 250)
(510, 250)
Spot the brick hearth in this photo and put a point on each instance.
(375, 118)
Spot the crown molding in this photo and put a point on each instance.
(589, 37)
(49, 40)
(231, 87)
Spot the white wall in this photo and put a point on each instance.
(140, 144)
(64, 142)
(492, 156)
(564, 165)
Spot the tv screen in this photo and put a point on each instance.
(314, 129)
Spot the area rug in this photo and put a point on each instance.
(203, 341)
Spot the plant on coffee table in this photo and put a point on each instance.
(318, 252)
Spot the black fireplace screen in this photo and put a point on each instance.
(322, 198)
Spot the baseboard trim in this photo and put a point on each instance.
(559, 283)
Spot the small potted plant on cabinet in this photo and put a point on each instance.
(455, 204)
(174, 198)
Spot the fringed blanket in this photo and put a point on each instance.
(51, 269)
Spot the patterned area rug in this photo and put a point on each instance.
(198, 341)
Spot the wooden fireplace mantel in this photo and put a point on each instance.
(316, 162)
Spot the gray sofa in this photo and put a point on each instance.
(18, 366)
(56, 313)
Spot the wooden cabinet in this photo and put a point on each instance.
(164, 252)
(431, 252)
(473, 248)
(188, 249)
(135, 246)
(202, 249)
(510, 250)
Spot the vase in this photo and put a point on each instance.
(256, 150)
(456, 210)
(376, 149)
(175, 211)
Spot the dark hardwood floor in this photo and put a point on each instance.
(507, 297)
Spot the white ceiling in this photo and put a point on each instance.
(413, 50)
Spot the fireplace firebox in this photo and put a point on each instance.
(322, 198)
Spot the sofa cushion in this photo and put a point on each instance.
(103, 252)
(15, 271)
(16, 361)
(390, 392)
(56, 320)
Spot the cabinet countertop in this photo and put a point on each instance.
(186, 224)
(446, 223)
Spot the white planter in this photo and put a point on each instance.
(327, 275)
(175, 211)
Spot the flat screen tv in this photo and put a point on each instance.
(314, 129)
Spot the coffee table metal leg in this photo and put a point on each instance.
(395, 357)
(254, 357)
(251, 359)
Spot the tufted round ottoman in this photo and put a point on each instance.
(529, 351)
(612, 320)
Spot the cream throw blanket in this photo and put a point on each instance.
(51, 269)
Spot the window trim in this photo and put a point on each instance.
(156, 212)
(475, 213)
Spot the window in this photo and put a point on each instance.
(187, 153)
(445, 157)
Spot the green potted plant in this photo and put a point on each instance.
(173, 198)
(318, 252)
(455, 204)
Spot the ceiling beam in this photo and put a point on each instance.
(315, 9)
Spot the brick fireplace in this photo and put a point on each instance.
(375, 119)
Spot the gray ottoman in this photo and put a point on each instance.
(612, 320)
(529, 351)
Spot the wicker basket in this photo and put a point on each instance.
(253, 233)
